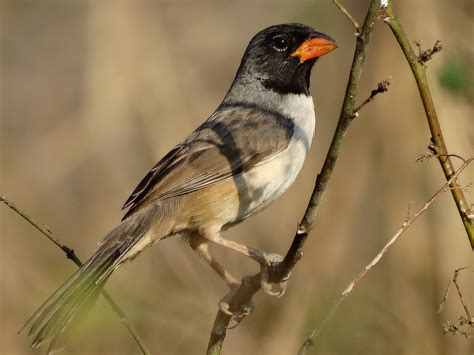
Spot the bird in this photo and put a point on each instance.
(236, 163)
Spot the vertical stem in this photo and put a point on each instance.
(345, 117)
(251, 284)
(419, 72)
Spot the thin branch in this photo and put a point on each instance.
(381, 88)
(425, 55)
(457, 328)
(43, 229)
(70, 254)
(432, 153)
(419, 71)
(242, 297)
(446, 294)
(408, 222)
(348, 15)
(454, 281)
(345, 118)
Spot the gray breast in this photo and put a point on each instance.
(270, 179)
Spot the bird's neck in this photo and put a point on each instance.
(299, 107)
(295, 80)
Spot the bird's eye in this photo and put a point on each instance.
(280, 43)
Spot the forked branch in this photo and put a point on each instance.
(465, 320)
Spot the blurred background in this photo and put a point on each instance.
(93, 93)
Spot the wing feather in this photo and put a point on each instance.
(235, 139)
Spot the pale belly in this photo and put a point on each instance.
(264, 183)
(267, 181)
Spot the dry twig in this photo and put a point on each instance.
(431, 152)
(406, 224)
(381, 88)
(425, 55)
(348, 15)
(457, 328)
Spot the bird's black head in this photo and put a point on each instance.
(282, 56)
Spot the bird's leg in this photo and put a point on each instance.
(245, 309)
(200, 246)
(266, 261)
(259, 256)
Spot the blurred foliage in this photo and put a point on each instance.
(456, 75)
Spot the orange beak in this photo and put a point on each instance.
(313, 48)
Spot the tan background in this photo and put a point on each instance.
(94, 92)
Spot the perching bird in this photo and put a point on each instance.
(244, 156)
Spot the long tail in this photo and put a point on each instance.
(80, 291)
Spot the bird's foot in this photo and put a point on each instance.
(236, 316)
(276, 289)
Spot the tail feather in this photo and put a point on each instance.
(58, 339)
(36, 319)
(59, 319)
(80, 291)
(53, 317)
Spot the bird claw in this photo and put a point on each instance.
(236, 317)
(272, 288)
(270, 259)
(268, 287)
(286, 277)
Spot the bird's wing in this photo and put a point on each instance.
(233, 140)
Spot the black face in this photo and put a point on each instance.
(268, 58)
